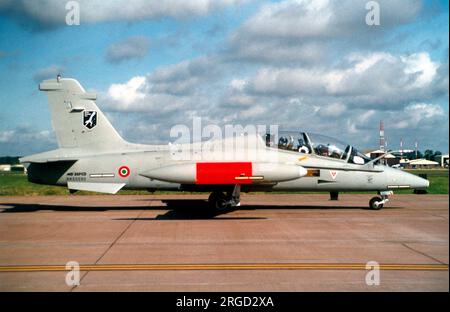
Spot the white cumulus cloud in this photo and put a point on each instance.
(127, 94)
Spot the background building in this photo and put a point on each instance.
(422, 164)
(5, 168)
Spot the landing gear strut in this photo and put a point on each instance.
(222, 202)
(334, 195)
(376, 203)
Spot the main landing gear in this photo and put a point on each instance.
(376, 203)
(222, 202)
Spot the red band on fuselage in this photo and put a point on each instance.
(223, 172)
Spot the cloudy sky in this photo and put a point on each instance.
(306, 64)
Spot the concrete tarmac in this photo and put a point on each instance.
(272, 243)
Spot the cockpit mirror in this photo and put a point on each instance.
(358, 160)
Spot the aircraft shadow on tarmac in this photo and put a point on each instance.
(185, 209)
(196, 204)
(176, 211)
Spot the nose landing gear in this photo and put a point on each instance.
(376, 203)
(221, 202)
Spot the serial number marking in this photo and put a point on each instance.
(77, 174)
(76, 179)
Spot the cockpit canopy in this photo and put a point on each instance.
(320, 145)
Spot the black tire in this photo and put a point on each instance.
(373, 203)
(217, 202)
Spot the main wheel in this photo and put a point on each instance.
(218, 201)
(375, 203)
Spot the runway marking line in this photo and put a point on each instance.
(234, 266)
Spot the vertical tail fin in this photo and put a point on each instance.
(76, 119)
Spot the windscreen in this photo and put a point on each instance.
(328, 147)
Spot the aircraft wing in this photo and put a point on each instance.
(111, 188)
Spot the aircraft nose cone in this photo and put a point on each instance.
(421, 183)
(302, 171)
(417, 183)
(402, 178)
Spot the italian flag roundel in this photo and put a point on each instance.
(124, 171)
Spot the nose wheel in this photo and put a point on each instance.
(376, 203)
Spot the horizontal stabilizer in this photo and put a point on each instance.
(58, 155)
(47, 160)
(50, 85)
(110, 188)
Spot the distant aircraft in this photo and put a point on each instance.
(92, 156)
